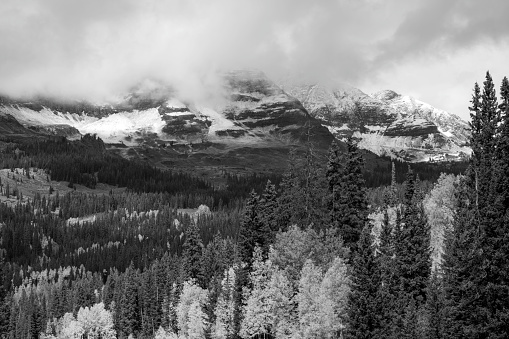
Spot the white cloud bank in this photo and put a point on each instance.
(94, 49)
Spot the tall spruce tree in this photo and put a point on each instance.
(435, 308)
(253, 232)
(476, 251)
(192, 254)
(494, 217)
(459, 264)
(387, 292)
(129, 309)
(348, 202)
(363, 307)
(268, 207)
(289, 191)
(302, 200)
(413, 257)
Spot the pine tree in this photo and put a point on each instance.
(494, 221)
(301, 200)
(413, 255)
(460, 264)
(36, 325)
(363, 310)
(388, 289)
(192, 254)
(413, 325)
(268, 210)
(252, 231)
(476, 285)
(289, 192)
(150, 310)
(435, 308)
(501, 175)
(348, 203)
(128, 308)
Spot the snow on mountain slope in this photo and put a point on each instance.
(386, 122)
(450, 125)
(45, 116)
(254, 111)
(116, 127)
(112, 129)
(218, 121)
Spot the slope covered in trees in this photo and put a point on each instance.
(310, 254)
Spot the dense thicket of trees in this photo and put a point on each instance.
(309, 254)
(86, 162)
(476, 279)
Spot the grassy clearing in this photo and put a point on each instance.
(38, 181)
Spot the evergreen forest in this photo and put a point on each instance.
(326, 249)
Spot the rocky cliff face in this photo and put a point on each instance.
(252, 112)
(253, 123)
(252, 109)
(386, 122)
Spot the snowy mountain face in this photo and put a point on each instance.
(386, 123)
(253, 109)
(154, 122)
(255, 119)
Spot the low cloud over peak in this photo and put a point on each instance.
(96, 49)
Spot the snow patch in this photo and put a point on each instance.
(219, 121)
(113, 128)
(334, 129)
(176, 114)
(46, 117)
(446, 133)
(116, 127)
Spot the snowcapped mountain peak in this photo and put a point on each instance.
(255, 110)
(388, 123)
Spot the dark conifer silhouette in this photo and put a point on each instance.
(347, 204)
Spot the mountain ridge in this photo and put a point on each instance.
(256, 112)
(385, 122)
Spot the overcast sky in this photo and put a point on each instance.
(432, 49)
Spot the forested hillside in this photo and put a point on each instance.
(329, 249)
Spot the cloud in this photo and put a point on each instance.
(69, 47)
(441, 27)
(94, 49)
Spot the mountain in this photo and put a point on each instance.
(387, 123)
(252, 124)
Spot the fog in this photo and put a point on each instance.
(97, 49)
